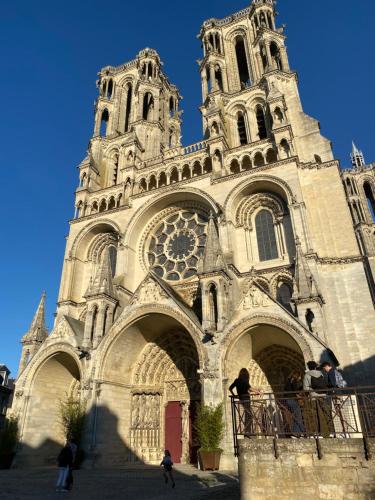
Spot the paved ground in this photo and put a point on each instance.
(138, 483)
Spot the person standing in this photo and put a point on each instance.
(334, 377)
(317, 408)
(69, 479)
(64, 461)
(293, 388)
(244, 391)
(167, 465)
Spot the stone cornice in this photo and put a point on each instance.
(101, 214)
(318, 166)
(256, 170)
(334, 260)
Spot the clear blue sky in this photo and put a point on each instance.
(50, 53)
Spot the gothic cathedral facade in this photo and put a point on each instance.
(186, 263)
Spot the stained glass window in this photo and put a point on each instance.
(176, 245)
(266, 238)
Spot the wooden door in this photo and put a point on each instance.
(173, 430)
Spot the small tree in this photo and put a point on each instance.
(8, 442)
(72, 418)
(210, 426)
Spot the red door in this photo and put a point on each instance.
(173, 430)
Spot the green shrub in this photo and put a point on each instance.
(72, 419)
(209, 426)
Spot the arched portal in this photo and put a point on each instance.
(269, 353)
(56, 378)
(151, 371)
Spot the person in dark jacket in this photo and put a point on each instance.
(244, 391)
(293, 388)
(64, 462)
(167, 465)
(334, 377)
(317, 407)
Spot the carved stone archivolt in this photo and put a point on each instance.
(97, 246)
(271, 368)
(250, 204)
(299, 334)
(235, 194)
(171, 360)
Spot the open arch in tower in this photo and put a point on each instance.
(151, 383)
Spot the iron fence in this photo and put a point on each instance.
(334, 413)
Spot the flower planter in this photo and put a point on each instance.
(209, 460)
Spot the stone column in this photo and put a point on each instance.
(204, 84)
(212, 77)
(98, 334)
(88, 329)
(259, 64)
(284, 58)
(269, 57)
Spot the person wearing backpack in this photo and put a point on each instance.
(167, 465)
(314, 379)
(334, 377)
(317, 407)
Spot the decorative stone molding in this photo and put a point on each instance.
(251, 203)
(298, 333)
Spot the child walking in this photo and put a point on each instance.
(167, 465)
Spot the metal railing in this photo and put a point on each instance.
(334, 413)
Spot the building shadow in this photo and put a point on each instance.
(356, 374)
(108, 460)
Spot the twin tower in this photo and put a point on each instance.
(138, 121)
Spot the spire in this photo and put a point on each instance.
(212, 259)
(38, 331)
(102, 283)
(303, 280)
(357, 157)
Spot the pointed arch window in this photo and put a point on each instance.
(266, 237)
(370, 199)
(110, 89)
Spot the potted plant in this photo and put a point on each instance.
(210, 427)
(8, 442)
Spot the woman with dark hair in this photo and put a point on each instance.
(244, 391)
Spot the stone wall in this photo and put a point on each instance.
(342, 472)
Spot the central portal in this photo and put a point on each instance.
(150, 390)
(165, 391)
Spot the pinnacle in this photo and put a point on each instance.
(212, 259)
(302, 274)
(38, 330)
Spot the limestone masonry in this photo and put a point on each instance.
(250, 248)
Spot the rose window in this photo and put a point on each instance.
(177, 244)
